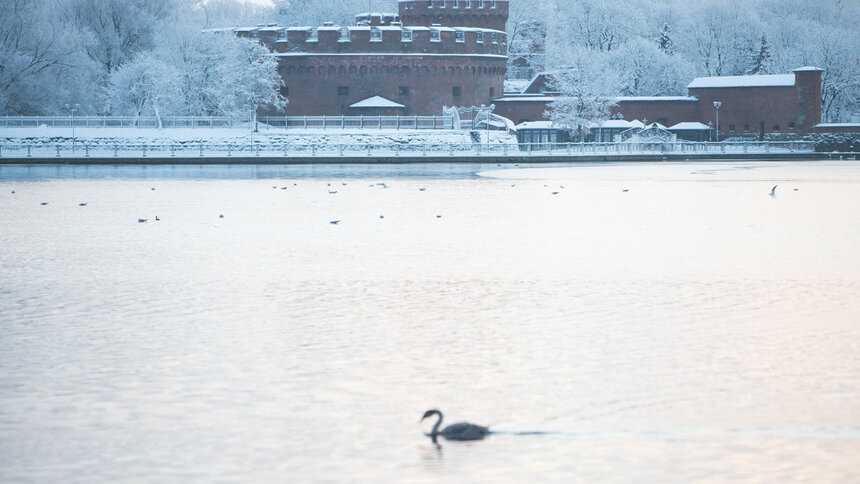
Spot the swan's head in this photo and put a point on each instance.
(430, 413)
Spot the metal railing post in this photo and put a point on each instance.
(58, 151)
(28, 151)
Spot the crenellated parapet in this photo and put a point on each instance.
(490, 14)
(382, 39)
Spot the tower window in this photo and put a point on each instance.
(479, 37)
(375, 34)
(460, 36)
(456, 91)
(343, 90)
(791, 125)
(285, 91)
(313, 35)
(435, 36)
(403, 91)
(492, 92)
(406, 35)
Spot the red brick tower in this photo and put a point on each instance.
(807, 81)
(485, 14)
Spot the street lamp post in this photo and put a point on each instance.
(72, 110)
(717, 105)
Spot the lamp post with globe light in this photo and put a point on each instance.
(717, 105)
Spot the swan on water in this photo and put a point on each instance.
(457, 431)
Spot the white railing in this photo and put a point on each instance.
(263, 122)
(465, 150)
(356, 122)
(122, 122)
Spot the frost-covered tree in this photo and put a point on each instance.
(664, 40)
(112, 31)
(144, 84)
(586, 88)
(760, 59)
(210, 74)
(645, 70)
(33, 53)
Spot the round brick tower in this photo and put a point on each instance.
(485, 14)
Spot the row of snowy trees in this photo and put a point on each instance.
(655, 47)
(131, 57)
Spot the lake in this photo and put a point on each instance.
(616, 322)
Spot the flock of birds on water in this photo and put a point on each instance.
(381, 185)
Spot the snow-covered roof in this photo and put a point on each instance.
(375, 14)
(743, 81)
(616, 123)
(526, 97)
(535, 125)
(690, 126)
(377, 102)
(837, 125)
(654, 98)
(807, 69)
(516, 85)
(398, 54)
(637, 124)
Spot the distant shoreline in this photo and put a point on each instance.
(512, 158)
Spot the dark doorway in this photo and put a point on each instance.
(761, 131)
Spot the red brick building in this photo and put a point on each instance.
(436, 53)
(443, 53)
(751, 105)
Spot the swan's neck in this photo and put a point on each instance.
(435, 430)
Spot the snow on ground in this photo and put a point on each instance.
(242, 136)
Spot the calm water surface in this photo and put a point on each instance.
(692, 328)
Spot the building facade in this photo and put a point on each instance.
(749, 105)
(431, 54)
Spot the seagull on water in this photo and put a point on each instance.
(382, 216)
(773, 191)
(44, 203)
(157, 219)
(423, 189)
(555, 193)
(332, 192)
(221, 216)
(625, 190)
(141, 220)
(82, 204)
(334, 222)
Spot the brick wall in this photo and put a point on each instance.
(316, 82)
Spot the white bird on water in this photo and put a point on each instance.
(773, 191)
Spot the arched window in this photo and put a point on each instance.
(363, 70)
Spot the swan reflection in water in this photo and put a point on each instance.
(457, 431)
